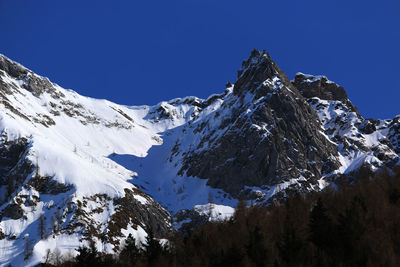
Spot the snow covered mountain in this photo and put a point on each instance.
(75, 169)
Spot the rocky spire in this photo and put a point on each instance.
(255, 70)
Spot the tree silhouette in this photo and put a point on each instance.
(255, 248)
(152, 248)
(88, 256)
(320, 226)
(130, 253)
(42, 226)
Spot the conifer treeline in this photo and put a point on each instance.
(353, 225)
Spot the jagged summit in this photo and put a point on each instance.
(258, 68)
(256, 57)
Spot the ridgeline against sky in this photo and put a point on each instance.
(141, 52)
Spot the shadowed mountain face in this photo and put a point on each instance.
(98, 170)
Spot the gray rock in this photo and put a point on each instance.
(289, 142)
(31, 82)
(319, 86)
(150, 216)
(46, 185)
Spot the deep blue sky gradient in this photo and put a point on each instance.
(143, 52)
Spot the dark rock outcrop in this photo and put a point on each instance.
(14, 167)
(12, 211)
(10, 154)
(394, 133)
(135, 210)
(319, 86)
(31, 82)
(12, 68)
(149, 216)
(46, 185)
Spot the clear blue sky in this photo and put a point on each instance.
(142, 52)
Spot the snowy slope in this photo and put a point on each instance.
(69, 139)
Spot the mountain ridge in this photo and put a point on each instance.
(98, 170)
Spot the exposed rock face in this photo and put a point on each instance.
(46, 185)
(394, 133)
(12, 211)
(14, 69)
(144, 213)
(270, 135)
(151, 216)
(319, 86)
(31, 82)
(14, 168)
(10, 154)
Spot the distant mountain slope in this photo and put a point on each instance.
(75, 169)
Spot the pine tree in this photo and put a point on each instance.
(83, 256)
(350, 230)
(320, 225)
(153, 248)
(130, 252)
(28, 247)
(291, 244)
(255, 247)
(241, 210)
(10, 185)
(42, 226)
(88, 256)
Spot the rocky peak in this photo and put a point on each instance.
(255, 70)
(319, 86)
(263, 134)
(256, 57)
